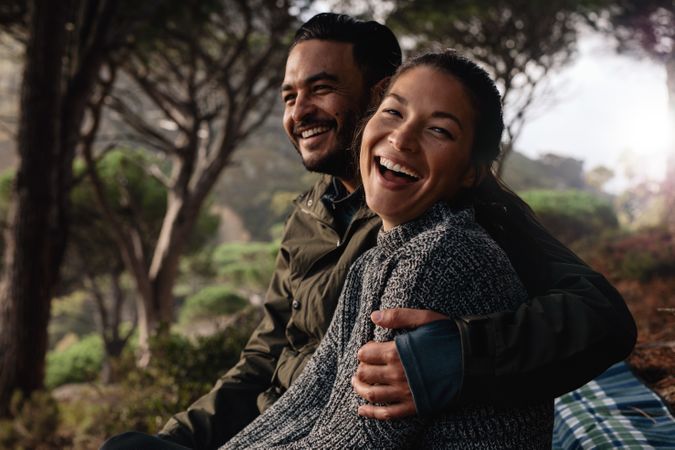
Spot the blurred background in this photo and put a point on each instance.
(145, 179)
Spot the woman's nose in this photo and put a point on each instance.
(404, 138)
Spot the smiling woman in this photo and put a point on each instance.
(424, 150)
(416, 149)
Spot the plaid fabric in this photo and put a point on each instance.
(613, 411)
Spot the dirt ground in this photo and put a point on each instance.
(653, 360)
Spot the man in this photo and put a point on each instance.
(574, 327)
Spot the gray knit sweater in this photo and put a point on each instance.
(442, 261)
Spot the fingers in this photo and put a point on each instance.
(381, 374)
(379, 353)
(405, 317)
(388, 412)
(390, 393)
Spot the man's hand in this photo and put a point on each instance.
(380, 377)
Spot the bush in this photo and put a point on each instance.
(210, 301)
(572, 215)
(34, 424)
(248, 264)
(78, 363)
(180, 372)
(640, 255)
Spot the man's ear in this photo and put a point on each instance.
(474, 175)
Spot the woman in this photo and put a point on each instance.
(424, 153)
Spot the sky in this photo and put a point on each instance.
(609, 110)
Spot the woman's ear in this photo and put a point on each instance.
(474, 175)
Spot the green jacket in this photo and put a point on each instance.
(557, 342)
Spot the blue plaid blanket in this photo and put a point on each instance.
(613, 411)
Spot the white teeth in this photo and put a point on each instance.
(313, 131)
(391, 165)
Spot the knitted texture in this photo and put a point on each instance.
(441, 261)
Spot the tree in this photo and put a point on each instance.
(642, 27)
(31, 241)
(520, 42)
(210, 81)
(66, 44)
(94, 261)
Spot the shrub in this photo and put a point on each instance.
(250, 264)
(210, 301)
(180, 372)
(78, 363)
(641, 255)
(34, 424)
(572, 215)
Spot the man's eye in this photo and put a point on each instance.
(288, 98)
(321, 88)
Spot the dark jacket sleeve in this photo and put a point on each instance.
(573, 328)
(231, 404)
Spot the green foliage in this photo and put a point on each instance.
(34, 422)
(71, 314)
(211, 301)
(180, 372)
(6, 180)
(546, 172)
(138, 201)
(247, 264)
(572, 215)
(80, 362)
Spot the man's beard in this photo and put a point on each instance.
(341, 161)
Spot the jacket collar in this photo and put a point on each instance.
(311, 203)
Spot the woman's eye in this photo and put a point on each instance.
(443, 132)
(391, 112)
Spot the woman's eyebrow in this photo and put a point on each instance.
(440, 114)
(447, 115)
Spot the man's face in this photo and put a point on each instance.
(324, 96)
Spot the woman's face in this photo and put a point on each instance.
(416, 148)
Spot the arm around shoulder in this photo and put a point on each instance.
(574, 326)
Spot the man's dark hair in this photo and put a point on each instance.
(376, 49)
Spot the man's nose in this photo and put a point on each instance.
(302, 107)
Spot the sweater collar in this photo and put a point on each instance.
(439, 214)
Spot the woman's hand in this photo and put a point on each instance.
(380, 377)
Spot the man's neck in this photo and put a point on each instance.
(349, 184)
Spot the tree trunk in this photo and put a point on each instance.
(29, 277)
(158, 316)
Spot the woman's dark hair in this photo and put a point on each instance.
(376, 49)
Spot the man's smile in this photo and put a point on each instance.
(314, 131)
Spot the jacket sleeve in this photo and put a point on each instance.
(292, 417)
(573, 328)
(214, 418)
